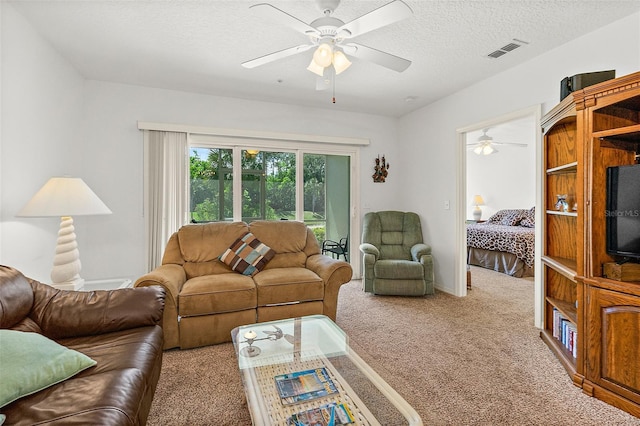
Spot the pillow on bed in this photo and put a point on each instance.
(529, 218)
(508, 217)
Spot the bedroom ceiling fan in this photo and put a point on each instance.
(486, 144)
(331, 37)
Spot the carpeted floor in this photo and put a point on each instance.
(458, 361)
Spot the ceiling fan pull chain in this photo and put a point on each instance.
(334, 89)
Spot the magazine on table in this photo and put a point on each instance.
(304, 385)
(332, 414)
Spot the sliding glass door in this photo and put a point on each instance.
(314, 188)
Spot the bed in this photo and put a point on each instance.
(504, 243)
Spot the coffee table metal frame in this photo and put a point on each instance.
(310, 342)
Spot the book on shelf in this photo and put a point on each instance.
(304, 385)
(332, 414)
(566, 332)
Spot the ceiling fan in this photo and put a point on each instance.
(486, 144)
(331, 36)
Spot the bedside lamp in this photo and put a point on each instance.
(65, 197)
(477, 211)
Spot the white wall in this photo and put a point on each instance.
(429, 134)
(41, 137)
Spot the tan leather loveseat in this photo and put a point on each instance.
(206, 299)
(118, 329)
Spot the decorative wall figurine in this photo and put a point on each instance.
(380, 173)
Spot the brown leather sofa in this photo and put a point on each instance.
(206, 299)
(119, 329)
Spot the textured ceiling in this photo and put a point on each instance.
(198, 46)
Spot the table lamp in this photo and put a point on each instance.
(65, 197)
(477, 211)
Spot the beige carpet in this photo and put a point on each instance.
(458, 361)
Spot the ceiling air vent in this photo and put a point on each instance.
(506, 48)
(509, 47)
(496, 54)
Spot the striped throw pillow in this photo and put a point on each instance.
(247, 255)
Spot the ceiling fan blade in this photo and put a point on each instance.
(281, 17)
(510, 143)
(262, 60)
(370, 54)
(388, 14)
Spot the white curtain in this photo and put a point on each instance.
(166, 189)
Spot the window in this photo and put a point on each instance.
(268, 185)
(211, 194)
(268, 188)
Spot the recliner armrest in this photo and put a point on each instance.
(419, 250)
(367, 248)
(64, 313)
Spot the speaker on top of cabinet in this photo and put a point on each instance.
(580, 81)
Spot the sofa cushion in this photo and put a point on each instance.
(205, 242)
(212, 294)
(114, 392)
(247, 255)
(31, 362)
(398, 269)
(288, 238)
(285, 285)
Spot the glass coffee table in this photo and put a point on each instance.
(275, 350)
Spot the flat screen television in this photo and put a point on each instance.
(623, 212)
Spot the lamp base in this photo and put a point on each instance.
(477, 214)
(65, 274)
(76, 284)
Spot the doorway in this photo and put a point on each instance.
(485, 175)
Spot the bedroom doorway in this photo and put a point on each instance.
(498, 166)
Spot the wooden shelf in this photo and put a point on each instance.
(560, 246)
(567, 309)
(622, 134)
(566, 358)
(566, 267)
(558, 213)
(565, 168)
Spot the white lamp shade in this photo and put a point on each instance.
(315, 68)
(323, 55)
(477, 200)
(340, 62)
(64, 196)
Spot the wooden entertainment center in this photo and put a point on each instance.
(591, 322)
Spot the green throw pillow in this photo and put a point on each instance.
(31, 362)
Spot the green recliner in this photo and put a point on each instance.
(395, 259)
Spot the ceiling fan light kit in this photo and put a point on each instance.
(486, 144)
(328, 36)
(485, 149)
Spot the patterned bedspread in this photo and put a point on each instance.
(518, 240)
